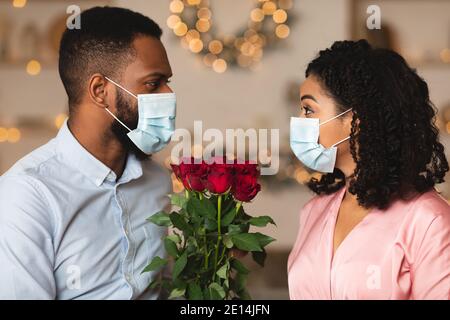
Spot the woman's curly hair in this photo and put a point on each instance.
(394, 140)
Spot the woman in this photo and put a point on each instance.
(376, 229)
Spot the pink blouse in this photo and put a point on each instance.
(399, 253)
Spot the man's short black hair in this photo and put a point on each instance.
(103, 45)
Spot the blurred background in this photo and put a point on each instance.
(237, 64)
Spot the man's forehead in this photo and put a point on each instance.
(151, 58)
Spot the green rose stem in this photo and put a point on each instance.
(238, 205)
(219, 233)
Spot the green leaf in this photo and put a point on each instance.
(178, 200)
(210, 224)
(222, 272)
(235, 229)
(241, 280)
(261, 221)
(171, 247)
(177, 292)
(179, 265)
(246, 242)
(174, 237)
(191, 245)
(228, 217)
(239, 267)
(207, 294)
(161, 219)
(202, 207)
(156, 263)
(179, 222)
(194, 292)
(227, 241)
(259, 257)
(263, 239)
(217, 291)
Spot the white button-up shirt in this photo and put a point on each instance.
(70, 230)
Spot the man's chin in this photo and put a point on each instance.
(127, 144)
(140, 155)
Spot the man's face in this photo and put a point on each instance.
(150, 72)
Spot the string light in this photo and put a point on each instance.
(172, 21)
(267, 24)
(445, 55)
(196, 45)
(215, 46)
(269, 8)
(19, 3)
(282, 31)
(11, 135)
(33, 67)
(177, 6)
(219, 65)
(280, 16)
(59, 120)
(3, 134)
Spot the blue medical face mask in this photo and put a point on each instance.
(306, 147)
(156, 123)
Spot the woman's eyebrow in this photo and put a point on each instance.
(308, 96)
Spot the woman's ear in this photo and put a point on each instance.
(97, 90)
(348, 122)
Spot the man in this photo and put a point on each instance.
(72, 212)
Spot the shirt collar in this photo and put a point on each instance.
(95, 170)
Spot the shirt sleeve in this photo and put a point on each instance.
(431, 268)
(26, 249)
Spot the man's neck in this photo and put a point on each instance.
(100, 143)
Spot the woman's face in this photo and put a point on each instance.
(315, 103)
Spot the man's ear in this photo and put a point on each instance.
(97, 90)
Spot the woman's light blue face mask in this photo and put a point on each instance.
(156, 123)
(305, 144)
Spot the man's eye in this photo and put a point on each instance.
(156, 84)
(153, 84)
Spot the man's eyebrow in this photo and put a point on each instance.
(308, 96)
(157, 74)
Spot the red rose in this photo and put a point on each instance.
(191, 174)
(220, 178)
(176, 170)
(245, 187)
(246, 168)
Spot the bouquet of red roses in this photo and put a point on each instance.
(209, 227)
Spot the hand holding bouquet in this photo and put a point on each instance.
(209, 226)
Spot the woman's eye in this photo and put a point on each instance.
(307, 110)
